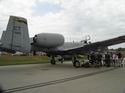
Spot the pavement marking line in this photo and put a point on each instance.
(55, 81)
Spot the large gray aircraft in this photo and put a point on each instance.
(16, 38)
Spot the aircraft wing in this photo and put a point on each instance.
(95, 46)
(111, 42)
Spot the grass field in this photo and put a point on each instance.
(17, 60)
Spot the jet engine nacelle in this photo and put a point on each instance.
(48, 40)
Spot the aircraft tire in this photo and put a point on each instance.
(53, 62)
(76, 64)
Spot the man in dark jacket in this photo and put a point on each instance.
(99, 59)
(119, 59)
(92, 58)
(107, 59)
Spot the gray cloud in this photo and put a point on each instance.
(102, 19)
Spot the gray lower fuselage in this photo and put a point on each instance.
(65, 46)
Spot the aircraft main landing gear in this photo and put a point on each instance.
(76, 62)
(53, 61)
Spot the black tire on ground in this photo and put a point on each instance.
(53, 62)
(76, 64)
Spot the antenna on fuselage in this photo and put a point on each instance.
(87, 37)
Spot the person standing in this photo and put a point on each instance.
(119, 59)
(99, 59)
(114, 59)
(92, 58)
(107, 59)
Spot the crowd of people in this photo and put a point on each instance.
(105, 59)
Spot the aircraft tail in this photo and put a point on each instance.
(16, 36)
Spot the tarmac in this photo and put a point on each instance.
(61, 78)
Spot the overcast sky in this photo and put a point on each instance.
(101, 19)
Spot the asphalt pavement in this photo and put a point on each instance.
(61, 78)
